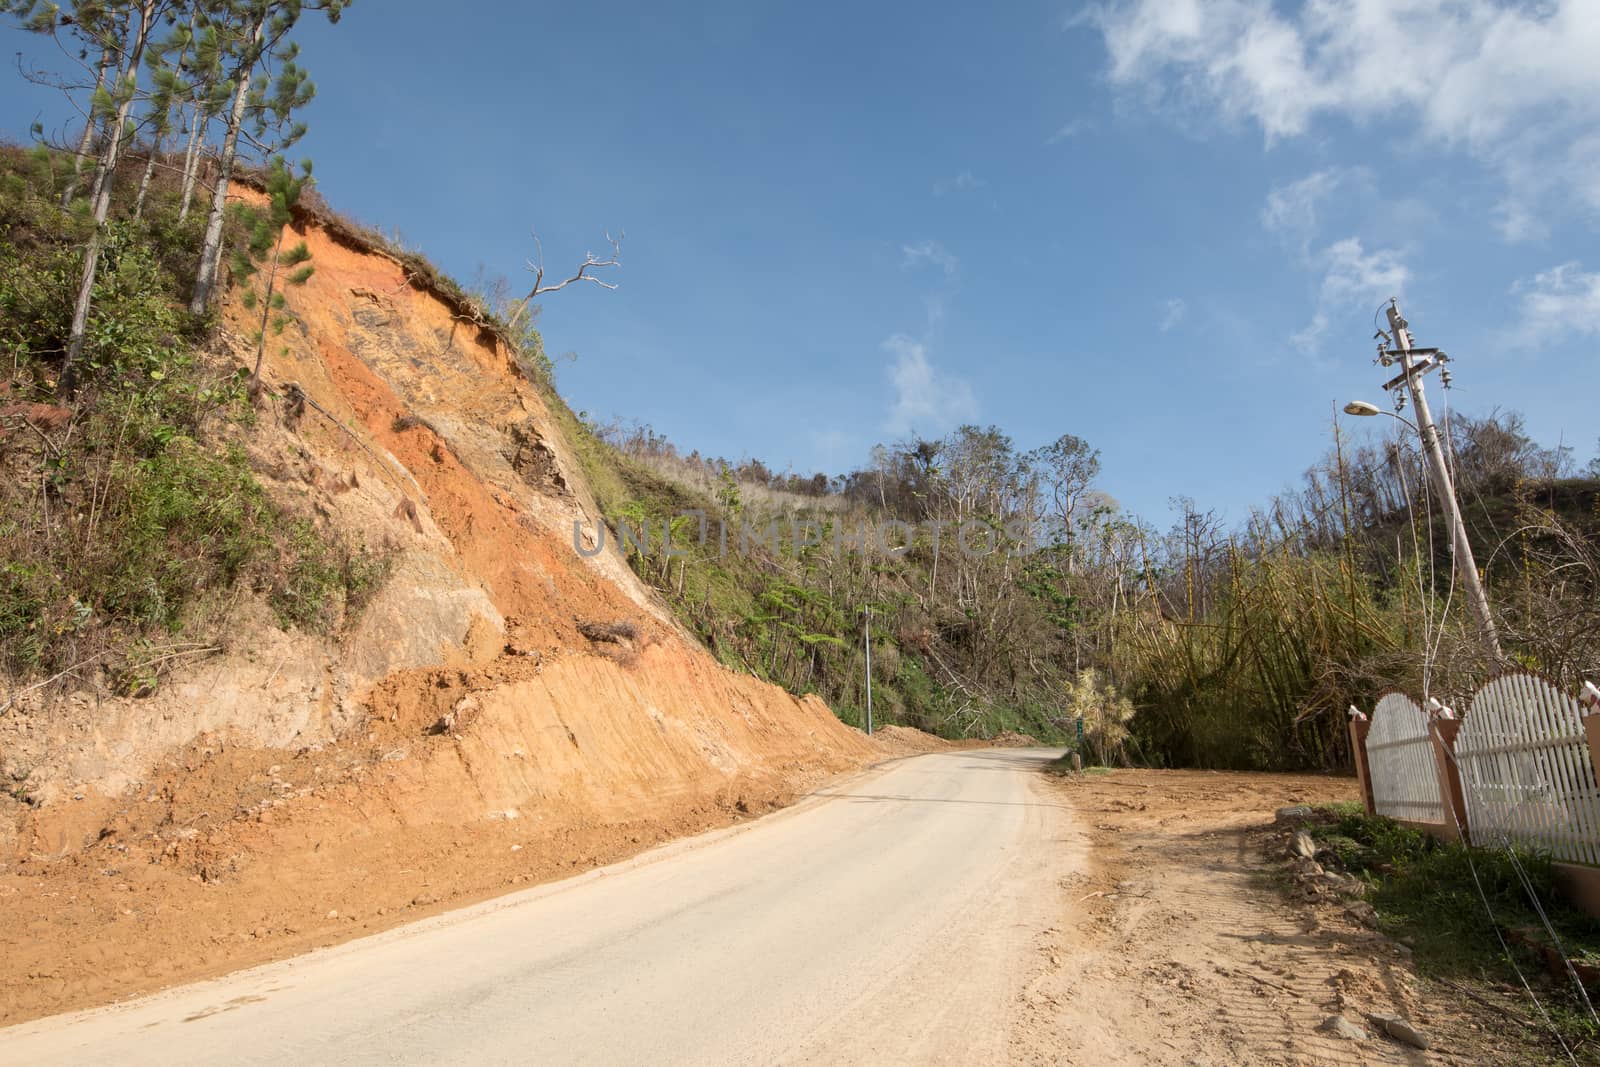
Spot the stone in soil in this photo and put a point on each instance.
(1339, 1026)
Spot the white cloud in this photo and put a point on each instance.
(1351, 276)
(1172, 313)
(965, 182)
(929, 253)
(1355, 275)
(1558, 303)
(1515, 85)
(1352, 279)
(1291, 210)
(1310, 337)
(926, 399)
(1069, 130)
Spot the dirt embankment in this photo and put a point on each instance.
(1179, 945)
(463, 736)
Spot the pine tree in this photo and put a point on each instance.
(167, 63)
(254, 34)
(86, 139)
(124, 30)
(264, 252)
(99, 29)
(208, 95)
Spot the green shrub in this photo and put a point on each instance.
(1433, 894)
(324, 583)
(119, 529)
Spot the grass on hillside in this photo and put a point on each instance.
(795, 622)
(1427, 894)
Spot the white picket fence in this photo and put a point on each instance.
(1405, 776)
(1526, 774)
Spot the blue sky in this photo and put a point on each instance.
(1162, 226)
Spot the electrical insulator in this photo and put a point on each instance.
(1445, 377)
(1400, 401)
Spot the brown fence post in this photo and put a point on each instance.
(1455, 804)
(1359, 727)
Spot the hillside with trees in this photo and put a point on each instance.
(1016, 594)
(1205, 644)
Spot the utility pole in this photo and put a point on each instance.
(866, 642)
(1414, 364)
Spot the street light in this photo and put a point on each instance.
(1364, 409)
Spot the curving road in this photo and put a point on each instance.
(890, 918)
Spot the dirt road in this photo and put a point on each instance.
(890, 918)
(1182, 943)
(959, 908)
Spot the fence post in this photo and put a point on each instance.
(1581, 884)
(1359, 727)
(1444, 734)
(1589, 703)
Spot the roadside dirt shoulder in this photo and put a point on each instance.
(1178, 945)
(232, 856)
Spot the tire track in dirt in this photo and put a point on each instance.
(1178, 945)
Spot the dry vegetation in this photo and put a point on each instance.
(1238, 648)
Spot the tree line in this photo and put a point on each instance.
(1237, 644)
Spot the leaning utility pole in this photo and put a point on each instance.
(1414, 364)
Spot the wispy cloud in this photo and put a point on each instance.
(1561, 302)
(1353, 278)
(1309, 337)
(1514, 85)
(924, 398)
(1068, 130)
(929, 253)
(965, 182)
(1172, 313)
(1350, 275)
(1353, 274)
(1291, 210)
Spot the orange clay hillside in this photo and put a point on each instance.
(459, 736)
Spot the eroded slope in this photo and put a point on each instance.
(460, 736)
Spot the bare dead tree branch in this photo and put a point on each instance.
(590, 262)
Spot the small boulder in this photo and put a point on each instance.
(1303, 845)
(1339, 1026)
(1343, 884)
(1399, 1029)
(1305, 868)
(1294, 813)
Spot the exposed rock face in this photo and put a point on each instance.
(419, 436)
